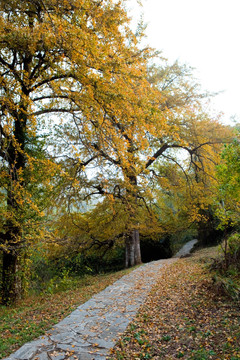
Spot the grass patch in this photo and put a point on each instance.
(184, 317)
(34, 315)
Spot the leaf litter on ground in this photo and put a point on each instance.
(183, 317)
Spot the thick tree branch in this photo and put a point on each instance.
(54, 96)
(11, 68)
(164, 147)
(49, 111)
(158, 153)
(122, 130)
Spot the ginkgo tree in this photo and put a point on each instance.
(166, 122)
(67, 68)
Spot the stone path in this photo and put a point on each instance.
(185, 250)
(93, 328)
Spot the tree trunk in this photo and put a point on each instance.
(137, 254)
(12, 255)
(12, 238)
(11, 280)
(132, 243)
(132, 249)
(127, 252)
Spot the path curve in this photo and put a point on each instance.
(90, 331)
(186, 249)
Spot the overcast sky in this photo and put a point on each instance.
(204, 34)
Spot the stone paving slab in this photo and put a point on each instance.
(90, 331)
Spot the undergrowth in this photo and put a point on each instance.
(226, 267)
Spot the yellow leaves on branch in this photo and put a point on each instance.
(78, 63)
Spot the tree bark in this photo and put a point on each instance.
(132, 243)
(11, 279)
(132, 249)
(12, 239)
(137, 254)
(127, 252)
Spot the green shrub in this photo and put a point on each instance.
(233, 249)
(231, 252)
(226, 277)
(52, 274)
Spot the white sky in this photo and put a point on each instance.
(204, 34)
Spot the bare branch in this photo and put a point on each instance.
(179, 165)
(53, 78)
